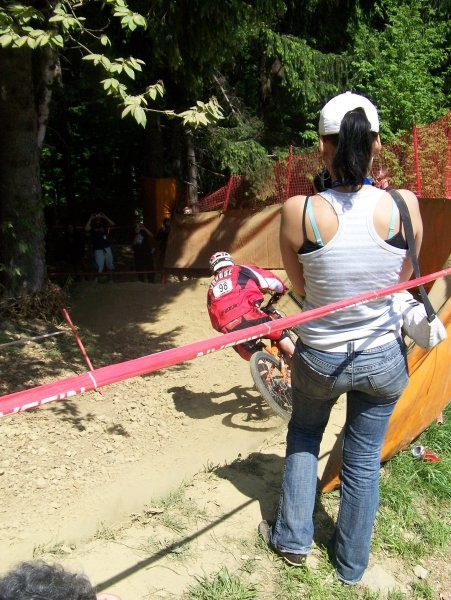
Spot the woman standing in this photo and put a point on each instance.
(342, 242)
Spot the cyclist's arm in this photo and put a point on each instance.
(266, 281)
(291, 239)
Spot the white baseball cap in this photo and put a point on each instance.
(332, 114)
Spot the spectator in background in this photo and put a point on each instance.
(162, 241)
(143, 250)
(38, 580)
(99, 226)
(382, 180)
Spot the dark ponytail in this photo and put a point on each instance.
(354, 143)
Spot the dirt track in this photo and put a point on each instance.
(78, 477)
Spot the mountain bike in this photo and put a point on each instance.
(270, 369)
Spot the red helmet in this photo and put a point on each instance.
(219, 260)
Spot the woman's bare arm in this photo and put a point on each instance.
(417, 225)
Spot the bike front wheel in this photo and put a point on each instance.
(274, 387)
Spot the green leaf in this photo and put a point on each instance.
(58, 18)
(140, 115)
(135, 63)
(43, 40)
(21, 41)
(93, 57)
(129, 22)
(139, 20)
(130, 72)
(126, 110)
(106, 63)
(58, 40)
(31, 43)
(6, 40)
(107, 83)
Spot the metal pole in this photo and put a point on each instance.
(290, 166)
(79, 343)
(416, 157)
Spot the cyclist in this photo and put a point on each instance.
(234, 298)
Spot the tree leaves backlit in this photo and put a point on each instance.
(24, 26)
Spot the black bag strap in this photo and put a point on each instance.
(410, 238)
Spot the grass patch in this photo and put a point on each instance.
(415, 499)
(56, 549)
(106, 533)
(412, 525)
(177, 507)
(173, 523)
(423, 591)
(223, 586)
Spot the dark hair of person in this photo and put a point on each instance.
(38, 580)
(354, 144)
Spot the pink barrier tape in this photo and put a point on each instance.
(67, 388)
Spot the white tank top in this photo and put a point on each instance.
(355, 261)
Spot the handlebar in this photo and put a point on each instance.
(274, 297)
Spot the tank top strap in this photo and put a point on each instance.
(316, 233)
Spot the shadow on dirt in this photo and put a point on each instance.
(203, 405)
(169, 549)
(114, 324)
(259, 477)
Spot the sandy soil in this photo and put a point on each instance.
(158, 480)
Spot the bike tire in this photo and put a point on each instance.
(268, 379)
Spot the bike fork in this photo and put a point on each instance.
(284, 367)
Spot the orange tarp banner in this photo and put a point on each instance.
(436, 247)
(253, 237)
(158, 198)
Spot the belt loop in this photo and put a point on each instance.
(351, 349)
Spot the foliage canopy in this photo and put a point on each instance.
(265, 66)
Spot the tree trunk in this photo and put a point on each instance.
(47, 70)
(192, 178)
(22, 255)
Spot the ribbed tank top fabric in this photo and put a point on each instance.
(355, 261)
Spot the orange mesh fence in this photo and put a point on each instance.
(419, 160)
(434, 142)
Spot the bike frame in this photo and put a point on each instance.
(273, 348)
(284, 368)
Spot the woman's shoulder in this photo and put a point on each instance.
(409, 198)
(300, 198)
(294, 203)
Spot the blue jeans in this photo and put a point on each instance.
(102, 258)
(373, 381)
